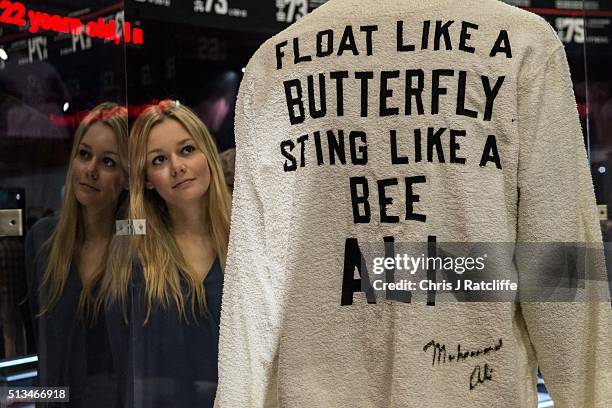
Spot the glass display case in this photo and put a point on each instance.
(60, 59)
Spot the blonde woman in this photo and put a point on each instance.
(178, 187)
(66, 257)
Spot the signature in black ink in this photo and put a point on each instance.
(480, 375)
(440, 354)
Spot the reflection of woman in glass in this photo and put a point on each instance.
(66, 257)
(179, 189)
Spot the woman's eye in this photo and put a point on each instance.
(84, 154)
(158, 160)
(108, 162)
(188, 149)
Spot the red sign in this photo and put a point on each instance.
(73, 120)
(15, 13)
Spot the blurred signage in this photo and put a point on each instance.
(242, 15)
(37, 49)
(165, 3)
(218, 7)
(570, 29)
(289, 11)
(558, 4)
(576, 21)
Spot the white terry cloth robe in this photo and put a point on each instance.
(513, 169)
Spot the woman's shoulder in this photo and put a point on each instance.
(36, 252)
(44, 227)
(40, 233)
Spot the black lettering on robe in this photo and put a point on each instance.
(353, 258)
(414, 93)
(395, 158)
(386, 93)
(293, 102)
(432, 252)
(369, 29)
(425, 38)
(364, 77)
(434, 140)
(502, 44)
(454, 146)
(491, 94)
(361, 160)
(465, 36)
(322, 111)
(403, 296)
(362, 199)
(436, 91)
(412, 198)
(385, 201)
(321, 52)
(336, 147)
(301, 140)
(401, 47)
(348, 42)
(417, 146)
(490, 153)
(296, 52)
(442, 31)
(318, 148)
(284, 145)
(461, 109)
(280, 54)
(339, 77)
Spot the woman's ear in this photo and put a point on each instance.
(148, 184)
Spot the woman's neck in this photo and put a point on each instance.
(97, 223)
(189, 221)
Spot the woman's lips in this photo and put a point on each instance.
(183, 184)
(89, 188)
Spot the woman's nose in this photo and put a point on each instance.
(178, 166)
(92, 169)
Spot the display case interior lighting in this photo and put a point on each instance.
(18, 361)
(22, 376)
(602, 169)
(3, 55)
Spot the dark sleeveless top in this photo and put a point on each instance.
(72, 352)
(171, 362)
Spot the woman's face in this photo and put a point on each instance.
(97, 176)
(176, 168)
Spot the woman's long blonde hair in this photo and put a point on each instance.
(162, 262)
(68, 234)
